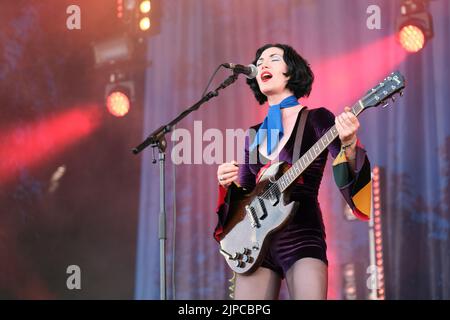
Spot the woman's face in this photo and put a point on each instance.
(271, 68)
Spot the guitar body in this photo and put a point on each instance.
(253, 218)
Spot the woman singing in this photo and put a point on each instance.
(297, 252)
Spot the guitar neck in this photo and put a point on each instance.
(301, 164)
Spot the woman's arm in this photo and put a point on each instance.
(351, 166)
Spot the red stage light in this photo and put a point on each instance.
(414, 25)
(118, 103)
(412, 38)
(120, 9)
(337, 72)
(29, 145)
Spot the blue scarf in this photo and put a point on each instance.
(273, 125)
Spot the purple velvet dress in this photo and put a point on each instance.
(304, 236)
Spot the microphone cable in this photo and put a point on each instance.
(211, 79)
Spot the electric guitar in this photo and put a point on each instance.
(255, 216)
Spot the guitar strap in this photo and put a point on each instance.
(299, 136)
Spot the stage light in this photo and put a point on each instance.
(144, 24)
(120, 9)
(118, 103)
(349, 272)
(412, 38)
(42, 141)
(375, 235)
(145, 6)
(415, 25)
(119, 98)
(112, 50)
(349, 282)
(147, 18)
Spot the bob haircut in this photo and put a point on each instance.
(299, 71)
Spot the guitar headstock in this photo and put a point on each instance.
(388, 88)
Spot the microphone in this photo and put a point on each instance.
(249, 71)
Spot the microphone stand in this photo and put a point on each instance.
(157, 140)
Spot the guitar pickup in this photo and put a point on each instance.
(274, 197)
(251, 212)
(263, 208)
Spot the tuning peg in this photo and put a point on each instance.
(401, 93)
(393, 98)
(385, 104)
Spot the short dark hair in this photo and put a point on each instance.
(299, 71)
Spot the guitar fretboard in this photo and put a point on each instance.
(301, 164)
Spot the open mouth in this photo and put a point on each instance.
(266, 76)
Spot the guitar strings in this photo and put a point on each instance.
(274, 188)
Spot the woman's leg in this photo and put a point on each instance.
(307, 279)
(263, 284)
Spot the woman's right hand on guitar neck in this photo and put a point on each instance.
(227, 173)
